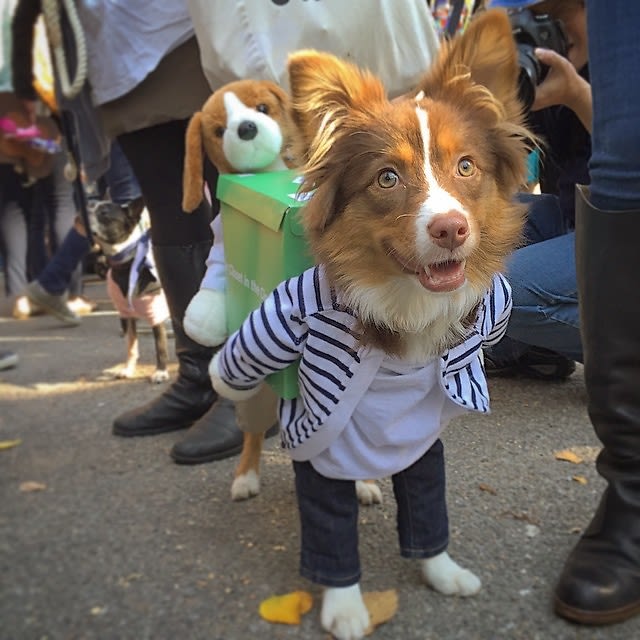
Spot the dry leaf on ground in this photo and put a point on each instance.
(579, 479)
(9, 444)
(286, 609)
(30, 485)
(382, 606)
(567, 455)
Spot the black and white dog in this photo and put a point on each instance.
(123, 233)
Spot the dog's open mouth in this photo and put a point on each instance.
(442, 276)
(439, 277)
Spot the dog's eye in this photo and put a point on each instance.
(219, 132)
(262, 108)
(388, 179)
(466, 167)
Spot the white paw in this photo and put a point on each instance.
(205, 318)
(344, 613)
(159, 376)
(125, 373)
(245, 486)
(445, 576)
(368, 492)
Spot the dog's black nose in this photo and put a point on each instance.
(247, 130)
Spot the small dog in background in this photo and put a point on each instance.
(123, 234)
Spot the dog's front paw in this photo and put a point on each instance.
(447, 577)
(159, 376)
(344, 613)
(245, 486)
(368, 492)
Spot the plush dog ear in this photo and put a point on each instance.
(192, 180)
(324, 89)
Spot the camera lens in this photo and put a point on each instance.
(531, 74)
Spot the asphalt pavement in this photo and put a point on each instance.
(106, 538)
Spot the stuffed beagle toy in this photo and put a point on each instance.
(244, 127)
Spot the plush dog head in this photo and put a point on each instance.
(244, 127)
(113, 225)
(413, 209)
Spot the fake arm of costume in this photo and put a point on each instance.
(205, 318)
(495, 312)
(270, 339)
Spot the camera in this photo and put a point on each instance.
(532, 30)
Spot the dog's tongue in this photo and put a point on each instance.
(442, 277)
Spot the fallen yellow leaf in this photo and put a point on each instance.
(568, 456)
(30, 486)
(9, 444)
(286, 609)
(382, 606)
(579, 479)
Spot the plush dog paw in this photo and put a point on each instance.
(344, 613)
(245, 486)
(159, 376)
(205, 318)
(368, 492)
(447, 577)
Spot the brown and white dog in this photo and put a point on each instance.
(411, 219)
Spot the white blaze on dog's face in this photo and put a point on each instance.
(252, 140)
(413, 209)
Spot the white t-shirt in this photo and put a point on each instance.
(127, 38)
(381, 439)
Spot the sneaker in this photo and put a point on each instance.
(537, 363)
(8, 360)
(82, 306)
(56, 305)
(23, 308)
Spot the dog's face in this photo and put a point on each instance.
(112, 224)
(246, 126)
(413, 209)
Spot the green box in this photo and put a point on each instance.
(263, 245)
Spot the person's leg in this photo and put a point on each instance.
(600, 582)
(181, 244)
(50, 289)
(120, 179)
(14, 234)
(543, 336)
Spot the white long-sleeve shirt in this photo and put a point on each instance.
(304, 318)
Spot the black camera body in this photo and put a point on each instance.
(532, 30)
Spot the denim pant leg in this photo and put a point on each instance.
(543, 281)
(122, 182)
(613, 63)
(329, 528)
(420, 492)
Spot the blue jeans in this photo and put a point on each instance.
(329, 518)
(120, 179)
(614, 57)
(542, 275)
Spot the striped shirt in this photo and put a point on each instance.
(303, 318)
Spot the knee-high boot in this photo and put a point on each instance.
(600, 582)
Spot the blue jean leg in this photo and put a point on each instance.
(122, 182)
(614, 59)
(545, 296)
(328, 511)
(543, 279)
(420, 492)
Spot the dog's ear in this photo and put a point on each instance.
(324, 89)
(192, 180)
(486, 54)
(135, 208)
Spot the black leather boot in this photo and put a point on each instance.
(181, 270)
(600, 582)
(214, 437)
